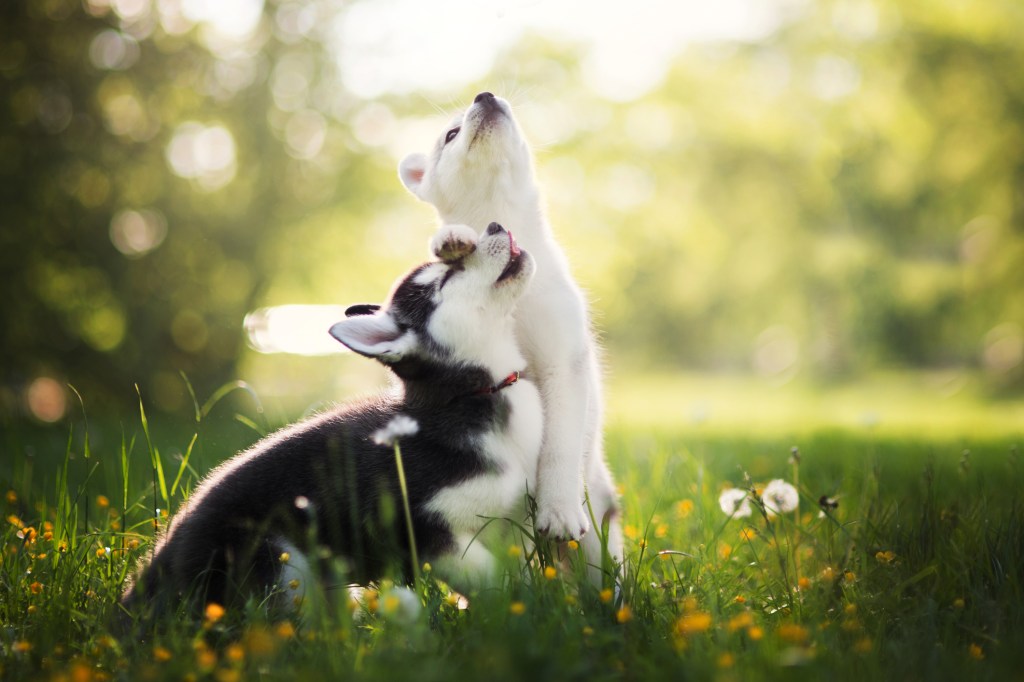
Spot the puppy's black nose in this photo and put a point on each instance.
(494, 228)
(483, 96)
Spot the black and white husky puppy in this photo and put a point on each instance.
(446, 331)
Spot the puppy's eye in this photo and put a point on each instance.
(451, 134)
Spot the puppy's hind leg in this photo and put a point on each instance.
(603, 548)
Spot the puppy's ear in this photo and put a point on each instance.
(375, 336)
(411, 170)
(361, 309)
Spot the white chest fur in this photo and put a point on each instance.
(513, 451)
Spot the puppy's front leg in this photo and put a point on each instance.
(561, 513)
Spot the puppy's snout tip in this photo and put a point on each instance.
(482, 96)
(494, 228)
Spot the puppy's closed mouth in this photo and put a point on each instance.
(515, 261)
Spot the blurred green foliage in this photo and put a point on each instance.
(845, 195)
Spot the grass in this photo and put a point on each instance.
(917, 574)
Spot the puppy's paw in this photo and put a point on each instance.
(563, 519)
(453, 242)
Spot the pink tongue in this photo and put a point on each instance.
(513, 247)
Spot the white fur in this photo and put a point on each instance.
(484, 174)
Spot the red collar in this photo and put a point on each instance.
(504, 383)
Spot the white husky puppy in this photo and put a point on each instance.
(481, 169)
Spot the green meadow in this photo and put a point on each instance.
(904, 560)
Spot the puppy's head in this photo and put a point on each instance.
(482, 152)
(449, 313)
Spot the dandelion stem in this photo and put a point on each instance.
(408, 513)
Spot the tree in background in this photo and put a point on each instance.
(144, 157)
(842, 196)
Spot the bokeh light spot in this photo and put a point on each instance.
(47, 399)
(113, 50)
(104, 327)
(136, 233)
(205, 154)
(296, 329)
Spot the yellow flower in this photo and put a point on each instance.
(804, 583)
(102, 502)
(285, 630)
(205, 658)
(828, 573)
(606, 595)
(885, 557)
(133, 543)
(793, 633)
(570, 600)
(285, 557)
(12, 497)
(661, 530)
(22, 646)
(740, 621)
(258, 642)
(573, 545)
(587, 631)
(850, 577)
(515, 551)
(748, 534)
(683, 508)
(631, 532)
(517, 608)
(32, 609)
(755, 632)
(624, 615)
(36, 587)
(724, 551)
(864, 645)
(452, 599)
(550, 572)
(740, 599)
(294, 583)
(725, 660)
(48, 535)
(15, 521)
(227, 675)
(102, 552)
(958, 603)
(692, 623)
(690, 603)
(214, 612)
(162, 654)
(976, 652)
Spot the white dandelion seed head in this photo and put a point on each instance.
(780, 497)
(399, 427)
(735, 502)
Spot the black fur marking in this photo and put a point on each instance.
(361, 309)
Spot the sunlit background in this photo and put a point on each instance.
(784, 211)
